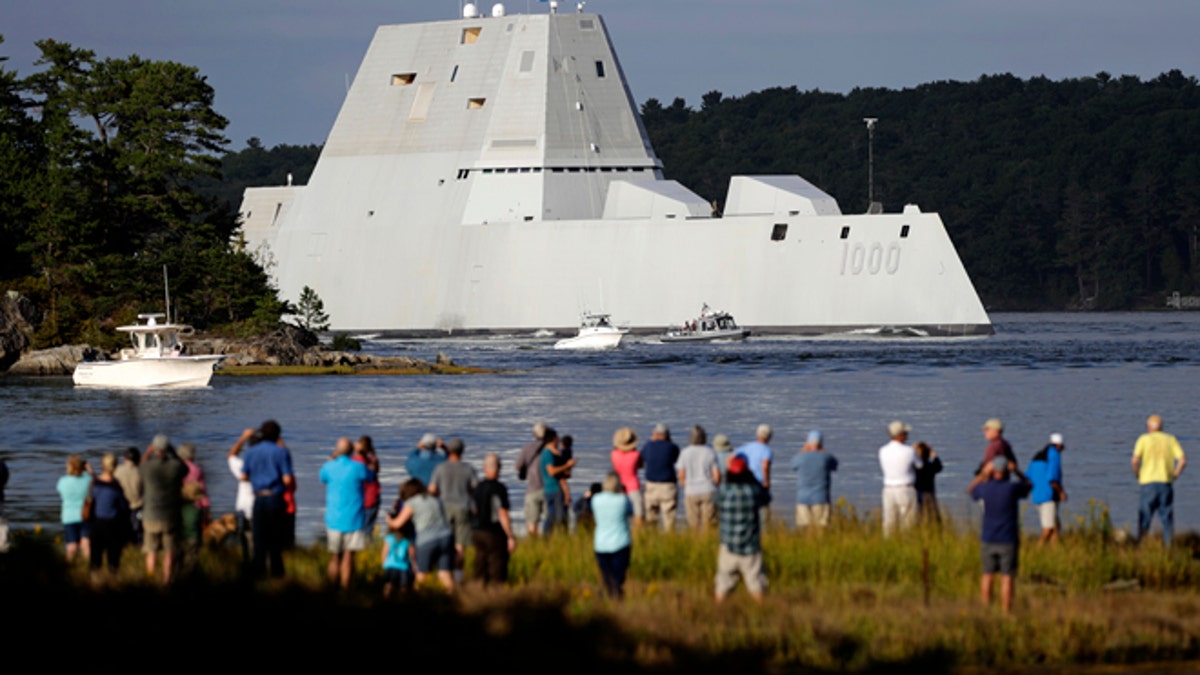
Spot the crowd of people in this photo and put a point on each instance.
(159, 499)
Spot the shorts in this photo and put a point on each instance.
(639, 503)
(999, 558)
(535, 507)
(436, 552)
(401, 578)
(159, 535)
(74, 532)
(459, 520)
(732, 565)
(1048, 513)
(345, 542)
(812, 514)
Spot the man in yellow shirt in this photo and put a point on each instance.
(1157, 462)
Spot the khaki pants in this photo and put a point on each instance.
(701, 511)
(730, 566)
(661, 497)
(808, 515)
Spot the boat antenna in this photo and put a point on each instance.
(167, 292)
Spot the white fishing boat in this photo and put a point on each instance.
(157, 359)
(596, 331)
(710, 325)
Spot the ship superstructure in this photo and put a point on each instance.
(493, 174)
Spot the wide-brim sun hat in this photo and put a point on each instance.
(625, 438)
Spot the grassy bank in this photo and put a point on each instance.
(839, 600)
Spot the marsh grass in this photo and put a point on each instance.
(838, 600)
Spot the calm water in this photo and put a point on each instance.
(1093, 378)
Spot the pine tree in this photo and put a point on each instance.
(310, 311)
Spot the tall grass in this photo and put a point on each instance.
(839, 599)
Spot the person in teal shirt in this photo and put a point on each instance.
(74, 489)
(612, 541)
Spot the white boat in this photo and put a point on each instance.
(156, 360)
(710, 325)
(470, 154)
(595, 332)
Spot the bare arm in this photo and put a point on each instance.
(1179, 464)
(506, 524)
(766, 473)
(387, 547)
(397, 521)
(716, 476)
(1136, 462)
(240, 443)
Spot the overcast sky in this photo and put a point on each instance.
(280, 67)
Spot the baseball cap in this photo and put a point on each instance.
(815, 436)
(454, 446)
(897, 427)
(428, 441)
(737, 464)
(1056, 439)
(994, 423)
(1000, 463)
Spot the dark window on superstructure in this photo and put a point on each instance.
(471, 35)
(587, 24)
(463, 173)
(475, 103)
(599, 69)
(846, 232)
(401, 79)
(779, 232)
(454, 73)
(903, 231)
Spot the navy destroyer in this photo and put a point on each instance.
(492, 173)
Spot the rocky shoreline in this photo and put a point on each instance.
(286, 347)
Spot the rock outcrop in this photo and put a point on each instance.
(56, 361)
(17, 318)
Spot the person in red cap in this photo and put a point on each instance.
(738, 502)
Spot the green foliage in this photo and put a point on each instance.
(1081, 193)
(255, 166)
(344, 343)
(310, 311)
(98, 158)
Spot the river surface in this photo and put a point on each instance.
(1092, 377)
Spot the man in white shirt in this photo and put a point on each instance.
(899, 463)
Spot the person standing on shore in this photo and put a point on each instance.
(553, 483)
(110, 517)
(74, 488)
(345, 514)
(162, 481)
(267, 465)
(899, 463)
(1157, 461)
(993, 431)
(1045, 473)
(758, 459)
(422, 461)
(453, 481)
(926, 484)
(626, 460)
(130, 478)
(1001, 531)
(434, 538)
(243, 504)
(364, 453)
(529, 469)
(612, 542)
(814, 469)
(700, 474)
(659, 456)
(740, 499)
(492, 536)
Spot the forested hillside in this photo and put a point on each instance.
(1078, 193)
(1082, 193)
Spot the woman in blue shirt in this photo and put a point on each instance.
(74, 489)
(612, 542)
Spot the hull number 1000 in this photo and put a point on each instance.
(871, 258)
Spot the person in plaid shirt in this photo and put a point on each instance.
(738, 502)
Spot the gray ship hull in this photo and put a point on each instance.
(493, 175)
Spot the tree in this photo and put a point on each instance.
(310, 311)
